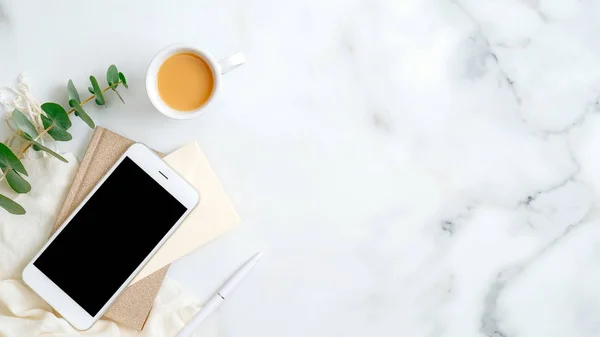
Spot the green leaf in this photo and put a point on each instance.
(112, 76)
(73, 94)
(91, 90)
(8, 160)
(123, 80)
(59, 120)
(24, 123)
(45, 149)
(11, 206)
(97, 91)
(72, 104)
(57, 114)
(56, 132)
(81, 113)
(16, 182)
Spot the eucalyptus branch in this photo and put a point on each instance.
(43, 132)
(56, 122)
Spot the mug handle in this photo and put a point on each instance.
(229, 63)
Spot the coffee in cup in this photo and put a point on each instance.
(185, 82)
(182, 80)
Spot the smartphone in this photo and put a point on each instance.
(111, 235)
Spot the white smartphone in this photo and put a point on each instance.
(113, 233)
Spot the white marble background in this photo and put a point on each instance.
(410, 167)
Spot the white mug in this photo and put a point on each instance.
(217, 67)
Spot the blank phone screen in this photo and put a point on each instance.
(110, 236)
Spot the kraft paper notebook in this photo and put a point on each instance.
(213, 216)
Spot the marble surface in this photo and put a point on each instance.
(417, 168)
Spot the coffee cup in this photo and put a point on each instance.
(182, 80)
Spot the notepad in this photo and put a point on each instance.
(213, 216)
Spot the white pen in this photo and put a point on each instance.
(217, 299)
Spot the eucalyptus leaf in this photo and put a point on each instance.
(57, 132)
(97, 91)
(8, 160)
(91, 90)
(57, 114)
(23, 123)
(11, 206)
(123, 80)
(16, 182)
(81, 113)
(73, 94)
(58, 119)
(45, 149)
(112, 76)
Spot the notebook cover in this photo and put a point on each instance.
(132, 307)
(213, 216)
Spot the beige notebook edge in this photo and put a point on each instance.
(214, 216)
(134, 304)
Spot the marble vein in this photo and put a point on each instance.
(491, 321)
(484, 44)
